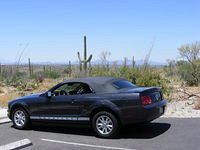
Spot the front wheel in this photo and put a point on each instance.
(105, 124)
(20, 118)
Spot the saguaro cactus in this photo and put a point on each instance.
(70, 68)
(44, 68)
(80, 66)
(0, 68)
(90, 67)
(133, 62)
(29, 66)
(85, 60)
(125, 62)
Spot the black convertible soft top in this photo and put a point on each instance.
(98, 84)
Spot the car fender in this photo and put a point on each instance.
(105, 104)
(20, 103)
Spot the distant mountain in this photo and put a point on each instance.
(119, 62)
(129, 62)
(4, 61)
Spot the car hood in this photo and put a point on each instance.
(29, 96)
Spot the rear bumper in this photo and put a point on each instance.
(146, 113)
(155, 110)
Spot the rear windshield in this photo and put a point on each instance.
(123, 84)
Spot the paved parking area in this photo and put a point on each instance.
(163, 133)
(3, 113)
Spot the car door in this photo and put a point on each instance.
(67, 100)
(71, 100)
(60, 103)
(64, 101)
(64, 105)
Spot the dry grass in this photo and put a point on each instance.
(180, 93)
(1, 90)
(4, 99)
(7, 93)
(45, 85)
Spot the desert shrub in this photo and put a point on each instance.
(27, 86)
(4, 75)
(189, 69)
(19, 75)
(187, 72)
(19, 80)
(13, 79)
(149, 79)
(130, 74)
(170, 69)
(51, 74)
(1, 90)
(67, 70)
(39, 76)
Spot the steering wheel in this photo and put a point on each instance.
(80, 90)
(63, 92)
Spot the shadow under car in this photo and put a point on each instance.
(146, 131)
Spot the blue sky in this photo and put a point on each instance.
(54, 29)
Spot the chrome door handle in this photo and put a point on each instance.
(73, 100)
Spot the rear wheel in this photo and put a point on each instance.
(105, 124)
(20, 118)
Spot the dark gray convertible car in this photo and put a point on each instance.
(105, 103)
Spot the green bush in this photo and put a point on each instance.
(19, 80)
(189, 69)
(67, 70)
(27, 86)
(45, 74)
(189, 73)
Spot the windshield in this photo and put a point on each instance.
(123, 84)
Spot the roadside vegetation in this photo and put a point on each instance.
(179, 80)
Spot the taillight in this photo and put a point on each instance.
(146, 100)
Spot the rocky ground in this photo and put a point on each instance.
(182, 109)
(3, 113)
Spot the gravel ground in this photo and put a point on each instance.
(182, 109)
(3, 113)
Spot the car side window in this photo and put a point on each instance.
(83, 89)
(72, 89)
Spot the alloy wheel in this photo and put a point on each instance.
(104, 124)
(19, 118)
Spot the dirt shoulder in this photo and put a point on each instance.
(182, 109)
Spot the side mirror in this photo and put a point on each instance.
(49, 94)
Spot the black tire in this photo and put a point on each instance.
(115, 123)
(26, 117)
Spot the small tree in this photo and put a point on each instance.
(68, 70)
(191, 52)
(104, 57)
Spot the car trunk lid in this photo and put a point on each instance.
(148, 95)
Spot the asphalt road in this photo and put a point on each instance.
(162, 134)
